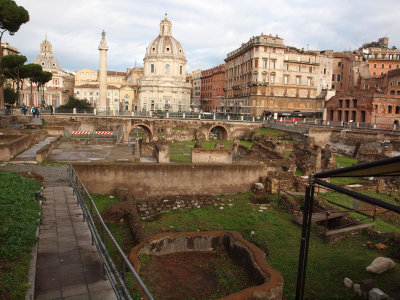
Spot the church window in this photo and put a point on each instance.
(42, 63)
(154, 49)
(82, 74)
(180, 69)
(167, 69)
(152, 68)
(167, 48)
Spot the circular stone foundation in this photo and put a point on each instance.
(265, 282)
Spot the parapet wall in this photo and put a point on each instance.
(146, 180)
(211, 156)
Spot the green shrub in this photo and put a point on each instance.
(18, 214)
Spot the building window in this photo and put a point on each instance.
(298, 80)
(340, 103)
(374, 66)
(324, 70)
(298, 58)
(310, 69)
(310, 60)
(309, 82)
(397, 109)
(338, 77)
(392, 92)
(287, 67)
(347, 103)
(333, 77)
(383, 66)
(354, 103)
(264, 63)
(299, 68)
(180, 69)
(272, 78)
(390, 109)
(152, 68)
(273, 64)
(339, 64)
(167, 69)
(256, 63)
(390, 66)
(366, 87)
(286, 79)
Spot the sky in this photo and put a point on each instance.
(207, 29)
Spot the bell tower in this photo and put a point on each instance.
(165, 27)
(46, 48)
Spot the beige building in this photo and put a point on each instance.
(57, 90)
(7, 49)
(122, 87)
(196, 91)
(264, 76)
(164, 85)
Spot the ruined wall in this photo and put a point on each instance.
(145, 180)
(211, 156)
(153, 206)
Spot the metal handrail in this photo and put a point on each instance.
(116, 278)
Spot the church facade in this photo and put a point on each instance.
(57, 90)
(163, 86)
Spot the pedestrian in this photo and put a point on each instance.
(51, 109)
(22, 109)
(34, 111)
(38, 112)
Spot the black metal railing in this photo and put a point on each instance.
(117, 277)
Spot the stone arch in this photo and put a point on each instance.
(221, 130)
(146, 128)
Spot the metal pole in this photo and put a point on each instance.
(302, 252)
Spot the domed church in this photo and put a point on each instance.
(164, 86)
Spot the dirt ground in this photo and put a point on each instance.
(193, 275)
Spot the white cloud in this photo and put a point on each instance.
(207, 29)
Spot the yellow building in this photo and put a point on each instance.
(122, 87)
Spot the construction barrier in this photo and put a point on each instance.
(104, 132)
(80, 132)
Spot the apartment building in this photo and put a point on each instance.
(264, 76)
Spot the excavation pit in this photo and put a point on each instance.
(205, 265)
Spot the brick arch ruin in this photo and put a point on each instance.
(221, 130)
(147, 128)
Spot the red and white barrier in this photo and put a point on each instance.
(80, 132)
(104, 132)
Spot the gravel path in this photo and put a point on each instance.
(54, 175)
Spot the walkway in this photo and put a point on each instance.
(68, 266)
(29, 156)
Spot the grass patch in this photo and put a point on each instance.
(18, 222)
(298, 172)
(380, 224)
(348, 180)
(262, 131)
(211, 144)
(276, 235)
(287, 153)
(247, 144)
(179, 129)
(345, 161)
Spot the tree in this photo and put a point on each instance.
(76, 103)
(12, 17)
(12, 67)
(32, 71)
(41, 79)
(10, 96)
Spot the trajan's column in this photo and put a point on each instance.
(103, 104)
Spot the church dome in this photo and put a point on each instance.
(46, 58)
(165, 43)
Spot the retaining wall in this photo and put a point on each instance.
(146, 180)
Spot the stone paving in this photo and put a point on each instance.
(68, 265)
(29, 156)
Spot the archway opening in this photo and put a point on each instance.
(141, 132)
(218, 132)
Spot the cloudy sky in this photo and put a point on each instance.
(207, 29)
